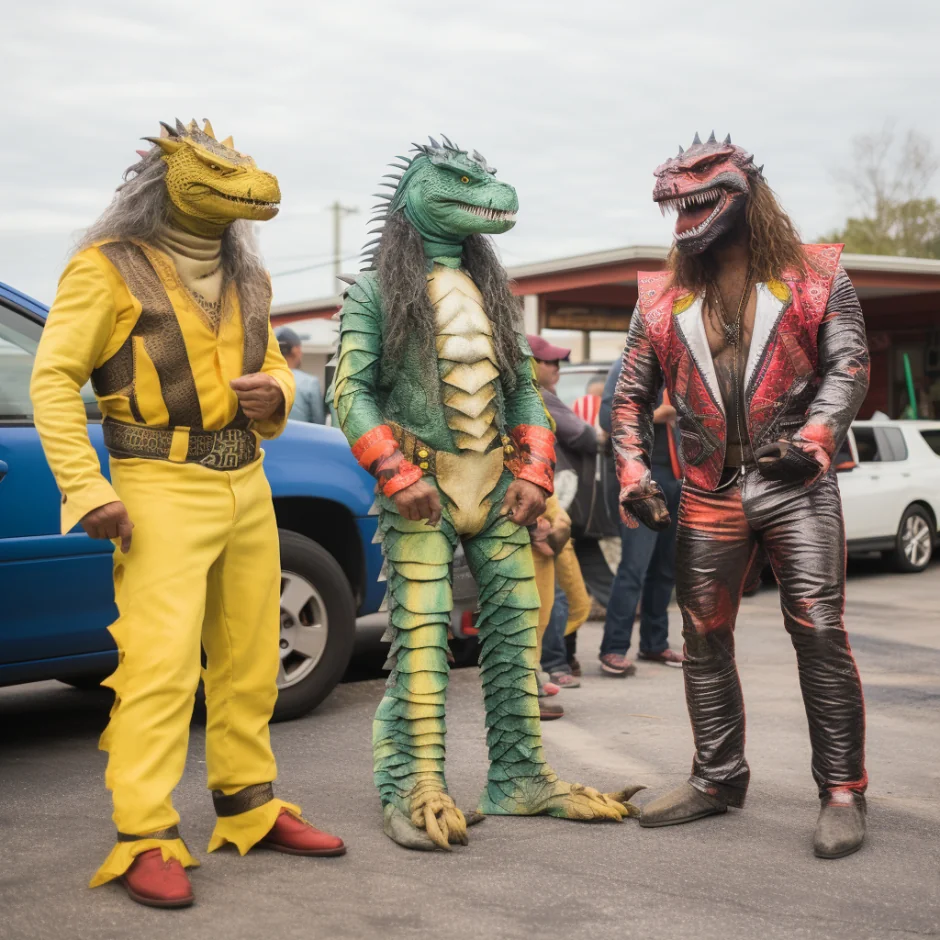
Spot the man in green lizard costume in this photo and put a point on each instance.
(435, 391)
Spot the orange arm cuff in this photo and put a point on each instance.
(377, 452)
(533, 455)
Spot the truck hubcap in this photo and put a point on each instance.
(304, 629)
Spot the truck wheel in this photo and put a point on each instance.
(913, 545)
(318, 625)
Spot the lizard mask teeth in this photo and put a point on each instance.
(705, 197)
(494, 215)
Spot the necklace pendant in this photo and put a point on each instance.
(731, 333)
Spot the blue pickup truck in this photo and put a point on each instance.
(56, 597)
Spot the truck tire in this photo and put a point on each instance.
(913, 544)
(318, 628)
(318, 625)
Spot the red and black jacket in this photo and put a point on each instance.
(805, 378)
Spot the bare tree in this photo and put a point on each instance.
(891, 180)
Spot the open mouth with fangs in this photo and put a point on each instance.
(696, 211)
(491, 215)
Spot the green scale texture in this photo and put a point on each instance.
(435, 193)
(409, 729)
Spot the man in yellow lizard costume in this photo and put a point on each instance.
(165, 307)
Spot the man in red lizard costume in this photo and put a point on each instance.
(761, 343)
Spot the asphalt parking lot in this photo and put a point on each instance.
(749, 874)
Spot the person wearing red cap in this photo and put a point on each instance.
(576, 440)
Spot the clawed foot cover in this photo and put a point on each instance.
(408, 732)
(548, 796)
(435, 822)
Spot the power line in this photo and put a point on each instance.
(313, 267)
(339, 211)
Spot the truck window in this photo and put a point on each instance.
(19, 338)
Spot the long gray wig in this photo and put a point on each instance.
(141, 205)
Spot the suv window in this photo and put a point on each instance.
(933, 440)
(844, 456)
(866, 445)
(19, 338)
(892, 440)
(879, 445)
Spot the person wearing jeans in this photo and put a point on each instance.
(647, 571)
(554, 651)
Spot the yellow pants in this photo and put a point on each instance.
(203, 571)
(565, 569)
(569, 577)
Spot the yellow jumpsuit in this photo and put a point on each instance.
(203, 568)
(564, 567)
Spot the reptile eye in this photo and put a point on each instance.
(464, 179)
(216, 167)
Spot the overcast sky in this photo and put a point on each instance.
(575, 103)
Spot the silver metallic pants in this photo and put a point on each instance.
(802, 532)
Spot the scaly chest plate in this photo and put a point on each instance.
(466, 358)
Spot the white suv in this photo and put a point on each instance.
(890, 482)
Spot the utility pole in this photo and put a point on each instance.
(339, 210)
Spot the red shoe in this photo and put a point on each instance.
(296, 836)
(157, 883)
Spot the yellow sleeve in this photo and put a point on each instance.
(277, 368)
(77, 330)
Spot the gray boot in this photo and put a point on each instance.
(681, 805)
(840, 829)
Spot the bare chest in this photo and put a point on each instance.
(729, 352)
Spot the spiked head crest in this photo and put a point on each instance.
(468, 166)
(708, 186)
(173, 137)
(209, 180)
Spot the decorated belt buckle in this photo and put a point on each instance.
(228, 452)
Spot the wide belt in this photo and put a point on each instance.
(413, 449)
(227, 449)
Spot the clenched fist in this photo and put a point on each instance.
(652, 512)
(524, 502)
(539, 534)
(419, 501)
(109, 521)
(259, 395)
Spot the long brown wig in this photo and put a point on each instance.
(773, 240)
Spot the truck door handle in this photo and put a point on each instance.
(3, 469)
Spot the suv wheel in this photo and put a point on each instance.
(914, 541)
(318, 625)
